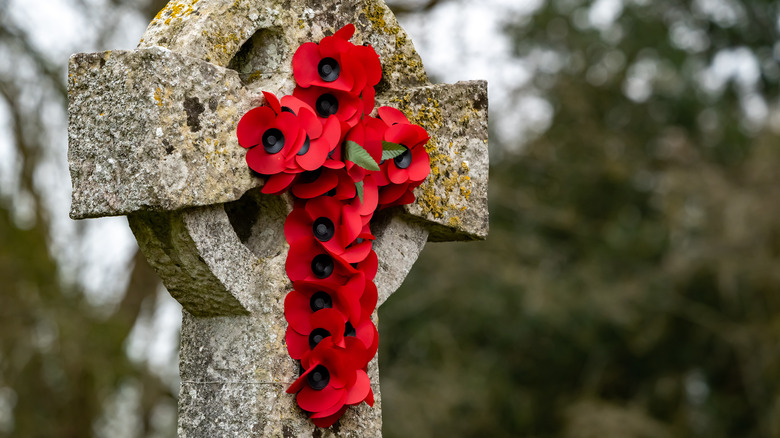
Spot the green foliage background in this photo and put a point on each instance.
(629, 286)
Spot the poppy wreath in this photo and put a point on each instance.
(341, 164)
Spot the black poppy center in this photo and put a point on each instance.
(316, 336)
(305, 147)
(311, 175)
(404, 160)
(328, 69)
(319, 377)
(273, 141)
(327, 105)
(287, 109)
(320, 300)
(322, 266)
(349, 330)
(323, 229)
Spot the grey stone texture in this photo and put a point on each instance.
(152, 136)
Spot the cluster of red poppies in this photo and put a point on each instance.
(341, 165)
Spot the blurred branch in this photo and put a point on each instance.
(11, 34)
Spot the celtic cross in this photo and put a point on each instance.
(152, 135)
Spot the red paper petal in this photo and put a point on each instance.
(369, 100)
(331, 132)
(295, 104)
(278, 183)
(299, 258)
(297, 311)
(338, 407)
(371, 64)
(297, 344)
(315, 157)
(346, 32)
(327, 181)
(324, 207)
(309, 121)
(357, 253)
(368, 300)
(397, 175)
(406, 198)
(370, 398)
(331, 420)
(391, 116)
(253, 125)
(359, 390)
(391, 193)
(369, 266)
(421, 164)
(297, 226)
(273, 102)
(305, 61)
(262, 162)
(352, 225)
(314, 401)
(367, 334)
(300, 382)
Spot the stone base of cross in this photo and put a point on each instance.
(152, 136)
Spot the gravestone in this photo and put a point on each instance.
(152, 135)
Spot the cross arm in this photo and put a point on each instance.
(147, 132)
(452, 203)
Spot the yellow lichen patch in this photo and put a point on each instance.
(158, 96)
(376, 15)
(174, 11)
(454, 221)
(222, 46)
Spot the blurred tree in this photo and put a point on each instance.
(60, 357)
(629, 286)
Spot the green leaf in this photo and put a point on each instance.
(392, 150)
(359, 187)
(356, 154)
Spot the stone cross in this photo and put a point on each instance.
(152, 136)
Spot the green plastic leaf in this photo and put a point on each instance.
(392, 150)
(356, 154)
(359, 187)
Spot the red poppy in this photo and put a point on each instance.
(414, 164)
(308, 297)
(308, 260)
(326, 102)
(330, 223)
(333, 378)
(322, 324)
(337, 64)
(271, 138)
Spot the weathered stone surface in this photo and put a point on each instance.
(152, 135)
(452, 202)
(235, 371)
(147, 131)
